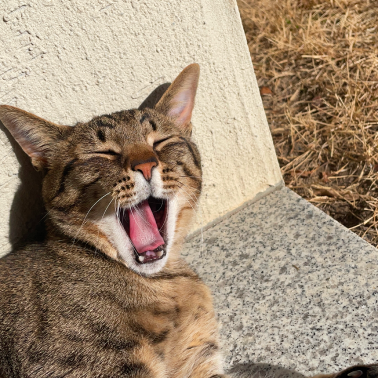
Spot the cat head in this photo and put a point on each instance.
(126, 183)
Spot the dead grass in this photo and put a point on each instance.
(316, 62)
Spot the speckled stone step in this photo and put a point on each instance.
(292, 287)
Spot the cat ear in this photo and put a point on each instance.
(35, 135)
(178, 101)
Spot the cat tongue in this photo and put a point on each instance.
(144, 232)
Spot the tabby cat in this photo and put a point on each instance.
(107, 294)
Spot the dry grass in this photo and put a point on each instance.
(316, 62)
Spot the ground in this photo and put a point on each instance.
(316, 62)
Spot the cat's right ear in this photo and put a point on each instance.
(36, 136)
(178, 101)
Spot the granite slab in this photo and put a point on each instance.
(292, 287)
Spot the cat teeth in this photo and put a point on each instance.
(158, 255)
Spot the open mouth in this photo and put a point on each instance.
(145, 224)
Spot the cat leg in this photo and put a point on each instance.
(207, 365)
(204, 371)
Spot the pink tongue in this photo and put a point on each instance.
(144, 232)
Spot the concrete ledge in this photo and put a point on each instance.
(292, 286)
(216, 221)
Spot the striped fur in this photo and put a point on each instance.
(78, 304)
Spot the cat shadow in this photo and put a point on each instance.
(262, 370)
(27, 209)
(154, 97)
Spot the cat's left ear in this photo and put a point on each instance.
(178, 101)
(36, 136)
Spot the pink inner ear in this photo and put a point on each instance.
(29, 146)
(182, 106)
(178, 101)
(37, 156)
(35, 135)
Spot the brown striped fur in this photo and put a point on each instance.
(77, 305)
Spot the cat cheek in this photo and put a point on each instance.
(157, 184)
(142, 187)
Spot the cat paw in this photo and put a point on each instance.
(359, 371)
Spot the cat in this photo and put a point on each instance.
(106, 294)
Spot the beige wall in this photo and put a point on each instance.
(70, 60)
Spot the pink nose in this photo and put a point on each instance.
(146, 169)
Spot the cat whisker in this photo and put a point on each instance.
(166, 215)
(198, 210)
(189, 199)
(137, 210)
(86, 215)
(107, 207)
(192, 189)
(44, 216)
(198, 177)
(117, 211)
(191, 194)
(192, 205)
(132, 214)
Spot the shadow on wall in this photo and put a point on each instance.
(154, 96)
(27, 211)
(26, 220)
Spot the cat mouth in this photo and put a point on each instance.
(144, 224)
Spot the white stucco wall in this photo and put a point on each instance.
(70, 60)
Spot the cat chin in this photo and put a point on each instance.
(147, 269)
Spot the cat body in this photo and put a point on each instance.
(74, 312)
(107, 294)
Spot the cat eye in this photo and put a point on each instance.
(106, 152)
(160, 141)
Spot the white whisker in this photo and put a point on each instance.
(200, 212)
(86, 215)
(107, 207)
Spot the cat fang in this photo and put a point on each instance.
(145, 226)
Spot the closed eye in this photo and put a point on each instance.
(161, 141)
(106, 152)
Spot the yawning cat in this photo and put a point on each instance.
(107, 294)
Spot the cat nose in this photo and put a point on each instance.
(145, 167)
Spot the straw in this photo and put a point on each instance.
(316, 63)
